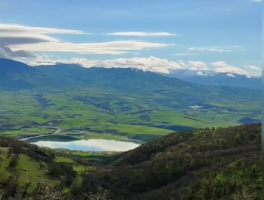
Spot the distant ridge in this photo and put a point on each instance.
(206, 77)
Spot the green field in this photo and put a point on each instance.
(87, 114)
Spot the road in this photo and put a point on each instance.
(38, 136)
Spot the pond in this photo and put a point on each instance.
(89, 145)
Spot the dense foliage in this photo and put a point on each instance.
(223, 163)
(216, 163)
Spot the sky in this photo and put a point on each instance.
(160, 36)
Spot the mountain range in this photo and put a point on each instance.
(125, 102)
(84, 76)
(209, 163)
(207, 77)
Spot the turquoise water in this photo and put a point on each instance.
(90, 145)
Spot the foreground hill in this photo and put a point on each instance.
(27, 171)
(222, 163)
(121, 102)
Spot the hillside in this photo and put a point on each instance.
(121, 102)
(217, 163)
(62, 76)
(222, 163)
(27, 170)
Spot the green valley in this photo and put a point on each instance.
(94, 113)
(113, 103)
(126, 109)
(131, 100)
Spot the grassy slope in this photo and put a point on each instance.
(29, 171)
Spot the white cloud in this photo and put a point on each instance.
(147, 64)
(256, 0)
(252, 67)
(200, 73)
(197, 65)
(141, 34)
(183, 54)
(217, 49)
(151, 63)
(23, 38)
(113, 47)
(19, 29)
(223, 67)
(219, 64)
(23, 35)
(17, 34)
(231, 75)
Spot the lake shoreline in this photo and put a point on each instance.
(90, 145)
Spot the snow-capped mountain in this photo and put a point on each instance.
(219, 79)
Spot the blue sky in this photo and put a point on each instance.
(224, 36)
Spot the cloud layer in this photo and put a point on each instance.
(147, 64)
(223, 67)
(9, 28)
(151, 63)
(19, 41)
(183, 54)
(252, 67)
(142, 34)
(209, 49)
(37, 39)
(20, 35)
(17, 35)
(113, 47)
(197, 65)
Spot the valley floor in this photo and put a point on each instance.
(81, 116)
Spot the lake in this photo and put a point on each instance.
(89, 145)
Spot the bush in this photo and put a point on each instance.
(14, 160)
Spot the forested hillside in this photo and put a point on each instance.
(216, 163)
(221, 163)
